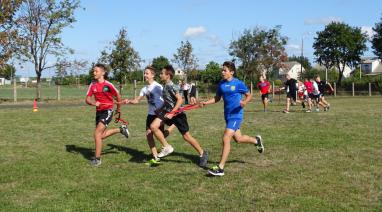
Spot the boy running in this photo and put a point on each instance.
(290, 86)
(264, 87)
(232, 89)
(153, 93)
(172, 101)
(103, 92)
(309, 89)
(321, 87)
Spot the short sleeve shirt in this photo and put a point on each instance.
(103, 93)
(264, 87)
(153, 93)
(232, 92)
(169, 96)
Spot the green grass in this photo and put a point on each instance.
(313, 162)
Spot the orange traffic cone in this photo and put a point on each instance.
(35, 108)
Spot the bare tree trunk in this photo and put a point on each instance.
(38, 87)
(340, 74)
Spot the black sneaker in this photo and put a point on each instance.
(166, 133)
(303, 105)
(95, 162)
(259, 144)
(203, 159)
(124, 131)
(216, 171)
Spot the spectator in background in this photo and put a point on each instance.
(192, 93)
(185, 88)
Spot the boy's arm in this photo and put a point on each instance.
(210, 101)
(248, 97)
(179, 101)
(134, 101)
(90, 101)
(118, 96)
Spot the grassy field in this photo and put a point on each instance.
(312, 162)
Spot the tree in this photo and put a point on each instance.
(8, 32)
(40, 24)
(304, 61)
(376, 40)
(184, 58)
(260, 51)
(159, 63)
(123, 58)
(7, 71)
(339, 45)
(212, 73)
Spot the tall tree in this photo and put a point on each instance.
(259, 50)
(8, 32)
(377, 39)
(123, 58)
(40, 24)
(159, 63)
(7, 71)
(185, 59)
(212, 73)
(304, 61)
(339, 45)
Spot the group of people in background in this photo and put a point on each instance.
(310, 93)
(188, 90)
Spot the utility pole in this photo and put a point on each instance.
(302, 54)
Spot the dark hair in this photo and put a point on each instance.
(230, 65)
(104, 68)
(169, 70)
(152, 69)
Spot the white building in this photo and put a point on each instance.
(292, 68)
(4, 81)
(371, 65)
(347, 71)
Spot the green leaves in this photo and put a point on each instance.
(377, 39)
(339, 45)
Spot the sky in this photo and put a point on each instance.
(157, 27)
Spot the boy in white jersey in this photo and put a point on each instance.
(153, 93)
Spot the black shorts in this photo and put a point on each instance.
(316, 98)
(311, 96)
(291, 95)
(263, 96)
(180, 121)
(104, 116)
(150, 119)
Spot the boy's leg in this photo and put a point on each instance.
(194, 143)
(98, 139)
(110, 132)
(151, 143)
(239, 138)
(227, 137)
(155, 128)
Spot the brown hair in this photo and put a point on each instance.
(169, 70)
(104, 68)
(152, 70)
(230, 65)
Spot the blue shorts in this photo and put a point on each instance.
(233, 124)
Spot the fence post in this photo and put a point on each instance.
(352, 87)
(197, 90)
(251, 88)
(135, 88)
(58, 92)
(335, 89)
(369, 89)
(14, 90)
(273, 89)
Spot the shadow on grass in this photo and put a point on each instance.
(86, 152)
(137, 156)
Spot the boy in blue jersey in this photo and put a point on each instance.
(232, 89)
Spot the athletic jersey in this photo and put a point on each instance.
(103, 93)
(315, 88)
(291, 85)
(309, 87)
(264, 87)
(169, 96)
(153, 93)
(231, 91)
(321, 86)
(301, 91)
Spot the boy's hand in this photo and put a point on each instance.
(97, 104)
(125, 101)
(193, 100)
(169, 116)
(243, 103)
(201, 104)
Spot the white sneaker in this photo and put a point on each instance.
(165, 151)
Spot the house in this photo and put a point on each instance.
(371, 65)
(293, 68)
(4, 81)
(347, 71)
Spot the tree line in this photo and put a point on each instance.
(30, 31)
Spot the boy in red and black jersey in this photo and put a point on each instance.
(104, 93)
(264, 87)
